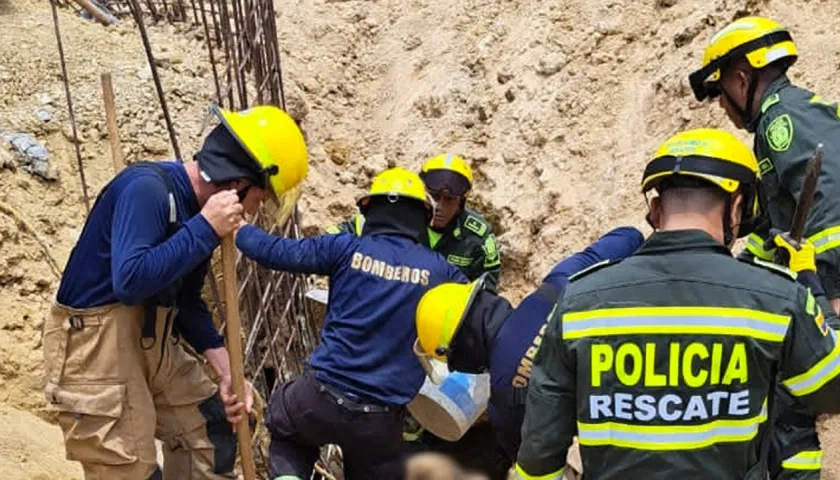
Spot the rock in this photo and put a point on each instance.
(296, 104)
(338, 152)
(666, 3)
(67, 131)
(144, 73)
(411, 42)
(346, 177)
(45, 99)
(503, 78)
(551, 64)
(34, 157)
(44, 115)
(155, 146)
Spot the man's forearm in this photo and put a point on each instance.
(219, 359)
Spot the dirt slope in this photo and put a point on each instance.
(556, 104)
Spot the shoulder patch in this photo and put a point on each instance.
(491, 251)
(598, 266)
(769, 102)
(476, 225)
(765, 166)
(779, 133)
(778, 269)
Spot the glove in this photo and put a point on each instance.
(798, 256)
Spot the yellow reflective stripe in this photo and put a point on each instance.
(821, 373)
(676, 321)
(825, 240)
(807, 460)
(360, 223)
(755, 244)
(521, 474)
(333, 229)
(670, 437)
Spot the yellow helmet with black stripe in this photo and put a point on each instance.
(760, 40)
(713, 156)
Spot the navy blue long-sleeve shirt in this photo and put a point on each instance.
(517, 341)
(376, 282)
(123, 255)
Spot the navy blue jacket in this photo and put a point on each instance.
(518, 339)
(376, 282)
(123, 255)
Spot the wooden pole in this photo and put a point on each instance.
(234, 344)
(111, 119)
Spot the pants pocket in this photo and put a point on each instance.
(91, 417)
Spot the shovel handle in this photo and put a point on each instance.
(233, 326)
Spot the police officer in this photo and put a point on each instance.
(476, 331)
(665, 363)
(745, 66)
(363, 372)
(132, 287)
(458, 233)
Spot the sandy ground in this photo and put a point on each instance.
(557, 105)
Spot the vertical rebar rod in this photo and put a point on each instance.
(210, 52)
(138, 18)
(70, 105)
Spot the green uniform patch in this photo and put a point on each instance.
(458, 260)
(491, 251)
(475, 225)
(765, 166)
(779, 133)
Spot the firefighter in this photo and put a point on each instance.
(363, 372)
(114, 364)
(458, 233)
(666, 362)
(745, 66)
(475, 331)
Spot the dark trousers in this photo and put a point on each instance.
(304, 414)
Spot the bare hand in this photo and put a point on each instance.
(223, 212)
(233, 407)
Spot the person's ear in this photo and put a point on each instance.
(736, 212)
(654, 215)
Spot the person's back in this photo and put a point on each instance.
(363, 372)
(691, 365)
(667, 363)
(367, 344)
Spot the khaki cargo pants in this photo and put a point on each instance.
(115, 396)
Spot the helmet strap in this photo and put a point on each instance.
(727, 227)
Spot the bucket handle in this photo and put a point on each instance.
(423, 358)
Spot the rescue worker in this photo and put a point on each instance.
(458, 233)
(363, 372)
(665, 362)
(745, 66)
(475, 331)
(468, 242)
(114, 364)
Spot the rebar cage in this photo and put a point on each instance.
(279, 328)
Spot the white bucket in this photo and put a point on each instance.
(448, 410)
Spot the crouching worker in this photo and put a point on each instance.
(113, 363)
(475, 331)
(363, 371)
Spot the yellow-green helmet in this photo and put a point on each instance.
(712, 155)
(760, 40)
(395, 183)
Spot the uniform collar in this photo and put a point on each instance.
(770, 97)
(455, 227)
(681, 240)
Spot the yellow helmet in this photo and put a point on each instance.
(447, 171)
(760, 40)
(273, 140)
(440, 313)
(712, 155)
(396, 182)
